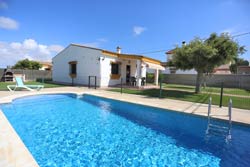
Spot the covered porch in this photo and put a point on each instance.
(133, 70)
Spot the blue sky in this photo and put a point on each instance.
(40, 29)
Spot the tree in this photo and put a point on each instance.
(238, 62)
(36, 65)
(27, 64)
(205, 55)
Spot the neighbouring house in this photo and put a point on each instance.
(223, 69)
(173, 70)
(46, 66)
(243, 70)
(78, 64)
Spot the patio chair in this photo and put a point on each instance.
(20, 84)
(133, 81)
(143, 81)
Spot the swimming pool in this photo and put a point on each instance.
(66, 130)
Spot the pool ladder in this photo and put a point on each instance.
(214, 129)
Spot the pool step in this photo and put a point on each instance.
(218, 127)
(215, 129)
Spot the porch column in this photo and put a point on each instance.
(138, 72)
(156, 76)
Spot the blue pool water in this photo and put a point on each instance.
(63, 130)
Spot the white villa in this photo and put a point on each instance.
(80, 64)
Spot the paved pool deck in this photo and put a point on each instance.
(13, 153)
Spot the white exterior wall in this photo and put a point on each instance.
(87, 64)
(123, 69)
(186, 71)
(133, 68)
(167, 71)
(132, 64)
(106, 70)
(143, 71)
(91, 62)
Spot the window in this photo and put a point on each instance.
(114, 68)
(72, 68)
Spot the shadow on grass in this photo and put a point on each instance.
(172, 94)
(243, 103)
(180, 87)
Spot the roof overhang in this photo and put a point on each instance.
(132, 57)
(153, 63)
(154, 66)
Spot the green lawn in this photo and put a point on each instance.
(238, 102)
(3, 85)
(233, 91)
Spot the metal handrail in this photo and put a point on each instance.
(230, 105)
(228, 136)
(90, 79)
(208, 114)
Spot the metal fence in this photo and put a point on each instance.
(222, 91)
(221, 88)
(232, 80)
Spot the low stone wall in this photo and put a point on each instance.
(1, 73)
(30, 75)
(232, 80)
(33, 75)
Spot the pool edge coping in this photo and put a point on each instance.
(13, 157)
(14, 151)
(13, 97)
(171, 110)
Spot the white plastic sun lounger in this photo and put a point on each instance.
(20, 84)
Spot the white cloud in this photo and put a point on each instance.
(138, 30)
(3, 5)
(44, 49)
(8, 23)
(11, 52)
(30, 44)
(15, 45)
